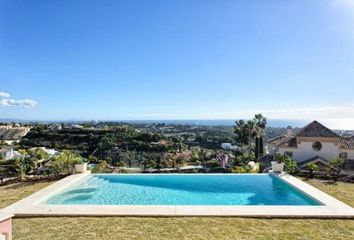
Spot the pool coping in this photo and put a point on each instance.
(31, 207)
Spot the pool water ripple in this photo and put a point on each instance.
(174, 189)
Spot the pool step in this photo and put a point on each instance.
(95, 182)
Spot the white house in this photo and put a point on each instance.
(229, 146)
(11, 154)
(50, 151)
(313, 143)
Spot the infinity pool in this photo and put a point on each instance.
(181, 189)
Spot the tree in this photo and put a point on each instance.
(244, 158)
(40, 154)
(242, 133)
(22, 164)
(195, 156)
(65, 161)
(257, 127)
(101, 167)
(245, 132)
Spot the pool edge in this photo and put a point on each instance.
(31, 207)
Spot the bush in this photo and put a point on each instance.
(255, 169)
(101, 167)
(244, 158)
(77, 160)
(337, 165)
(213, 163)
(240, 169)
(121, 164)
(65, 161)
(289, 164)
(313, 167)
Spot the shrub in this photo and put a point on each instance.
(313, 167)
(289, 164)
(101, 167)
(121, 164)
(240, 169)
(244, 158)
(337, 165)
(77, 160)
(65, 161)
(255, 169)
(213, 163)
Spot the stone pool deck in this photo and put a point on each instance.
(32, 206)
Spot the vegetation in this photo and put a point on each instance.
(242, 133)
(251, 131)
(178, 228)
(258, 127)
(289, 164)
(337, 164)
(29, 161)
(312, 168)
(149, 147)
(64, 163)
(101, 167)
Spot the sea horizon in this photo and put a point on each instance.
(337, 124)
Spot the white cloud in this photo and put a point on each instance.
(4, 95)
(6, 101)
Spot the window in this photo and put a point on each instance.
(343, 155)
(288, 154)
(317, 146)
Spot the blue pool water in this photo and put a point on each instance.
(184, 189)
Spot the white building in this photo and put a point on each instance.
(229, 146)
(50, 151)
(12, 154)
(313, 143)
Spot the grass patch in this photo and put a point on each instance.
(178, 228)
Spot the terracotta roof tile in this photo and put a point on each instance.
(346, 143)
(277, 140)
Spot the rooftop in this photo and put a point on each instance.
(316, 129)
(312, 130)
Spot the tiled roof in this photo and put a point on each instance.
(316, 129)
(316, 160)
(346, 143)
(289, 142)
(303, 163)
(277, 140)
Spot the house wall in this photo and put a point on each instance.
(6, 228)
(305, 151)
(271, 148)
(350, 153)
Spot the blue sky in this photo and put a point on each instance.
(176, 59)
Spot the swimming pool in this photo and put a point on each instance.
(181, 189)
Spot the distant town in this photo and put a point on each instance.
(163, 147)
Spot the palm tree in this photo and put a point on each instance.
(242, 132)
(257, 130)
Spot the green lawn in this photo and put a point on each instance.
(178, 228)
